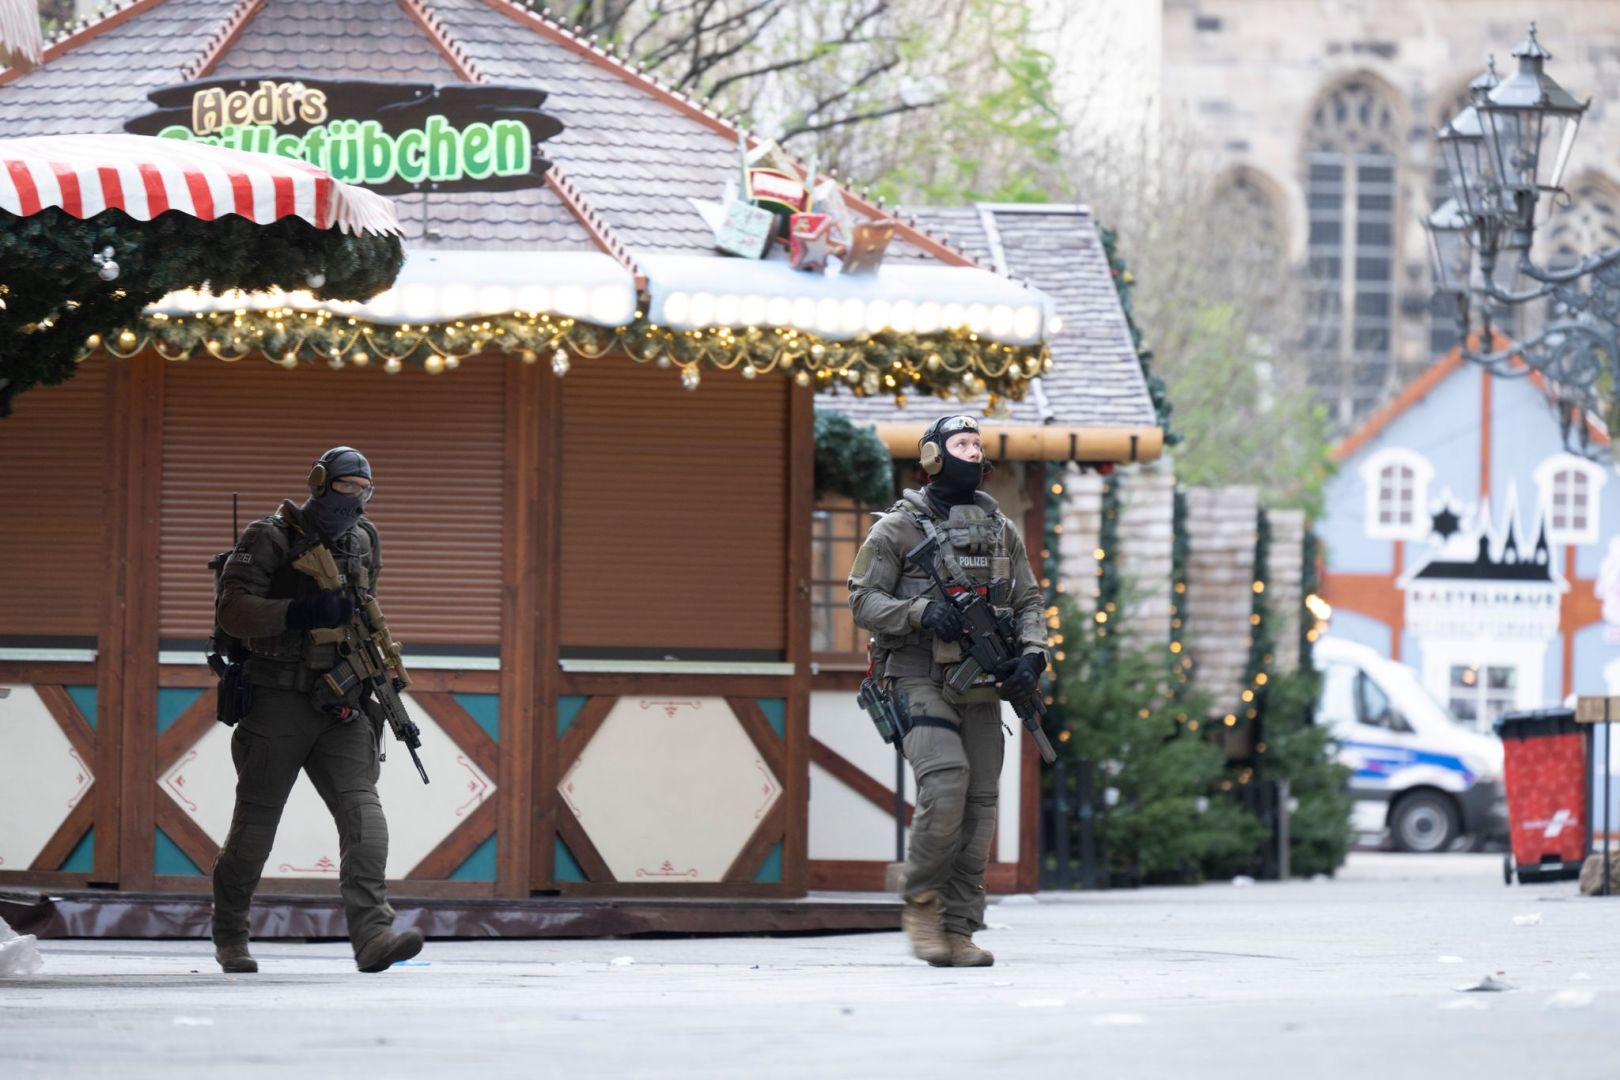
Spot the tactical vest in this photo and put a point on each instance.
(355, 554)
(973, 554)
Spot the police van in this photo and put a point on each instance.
(1417, 774)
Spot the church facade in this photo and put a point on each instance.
(1316, 119)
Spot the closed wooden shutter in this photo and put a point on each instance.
(53, 513)
(674, 513)
(437, 451)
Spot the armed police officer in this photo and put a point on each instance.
(274, 608)
(952, 737)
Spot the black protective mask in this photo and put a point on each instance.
(956, 481)
(333, 513)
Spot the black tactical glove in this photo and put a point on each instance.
(944, 620)
(320, 610)
(1019, 676)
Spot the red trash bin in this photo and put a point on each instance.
(1545, 771)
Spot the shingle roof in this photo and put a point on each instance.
(634, 154)
(634, 158)
(98, 85)
(354, 39)
(1096, 378)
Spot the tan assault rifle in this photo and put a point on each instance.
(368, 655)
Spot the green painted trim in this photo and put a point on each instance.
(167, 858)
(82, 860)
(568, 707)
(775, 710)
(85, 698)
(172, 701)
(566, 869)
(484, 708)
(480, 865)
(770, 871)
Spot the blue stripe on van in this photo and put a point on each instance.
(1383, 759)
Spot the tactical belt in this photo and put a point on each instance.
(279, 674)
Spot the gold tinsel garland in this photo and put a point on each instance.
(951, 364)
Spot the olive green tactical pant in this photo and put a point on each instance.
(958, 771)
(281, 734)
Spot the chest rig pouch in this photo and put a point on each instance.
(320, 646)
(973, 554)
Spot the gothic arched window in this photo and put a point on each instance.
(1350, 188)
(1251, 229)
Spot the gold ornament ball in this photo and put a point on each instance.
(749, 371)
(359, 359)
(452, 362)
(933, 363)
(433, 365)
(392, 365)
(529, 356)
(93, 341)
(802, 378)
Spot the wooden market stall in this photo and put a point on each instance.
(596, 548)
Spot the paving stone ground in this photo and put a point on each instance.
(1354, 977)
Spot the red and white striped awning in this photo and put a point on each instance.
(145, 176)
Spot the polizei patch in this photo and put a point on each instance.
(242, 557)
(974, 560)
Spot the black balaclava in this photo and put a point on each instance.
(957, 480)
(334, 513)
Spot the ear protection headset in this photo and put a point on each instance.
(320, 474)
(931, 448)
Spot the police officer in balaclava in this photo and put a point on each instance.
(274, 610)
(953, 739)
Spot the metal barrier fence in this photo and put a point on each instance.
(1074, 808)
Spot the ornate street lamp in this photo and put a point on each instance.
(1503, 153)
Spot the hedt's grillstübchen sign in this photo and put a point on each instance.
(394, 138)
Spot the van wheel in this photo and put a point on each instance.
(1424, 822)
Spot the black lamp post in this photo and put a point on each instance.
(1503, 154)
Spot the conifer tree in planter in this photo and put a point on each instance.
(1167, 819)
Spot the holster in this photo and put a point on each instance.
(888, 706)
(235, 695)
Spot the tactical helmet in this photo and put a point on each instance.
(931, 447)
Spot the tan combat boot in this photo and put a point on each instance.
(966, 954)
(235, 959)
(924, 923)
(387, 949)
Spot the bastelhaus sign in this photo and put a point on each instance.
(394, 138)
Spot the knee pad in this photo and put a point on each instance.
(360, 817)
(943, 794)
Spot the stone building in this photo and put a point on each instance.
(1320, 118)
